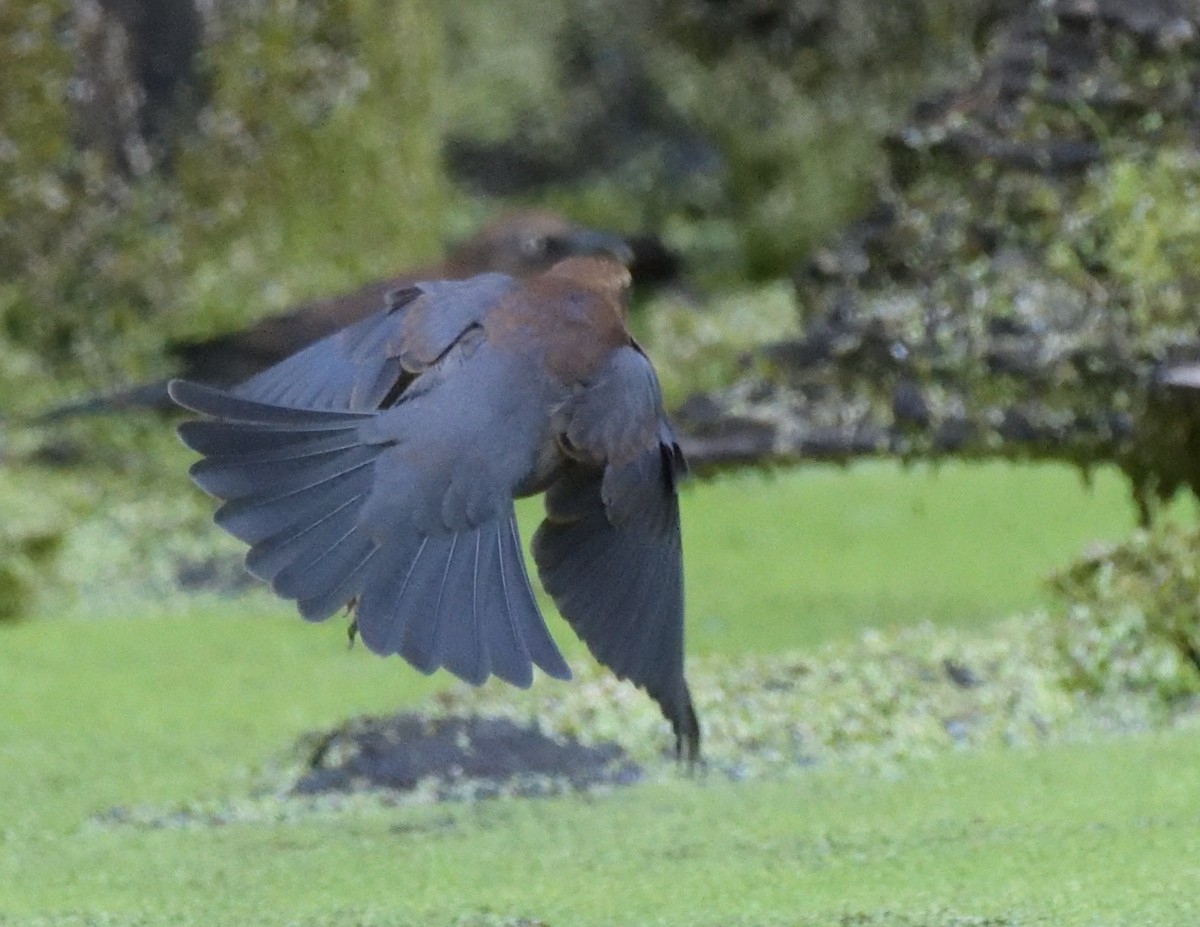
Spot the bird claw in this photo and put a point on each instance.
(687, 738)
(688, 753)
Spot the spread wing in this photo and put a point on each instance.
(609, 550)
(405, 511)
(369, 362)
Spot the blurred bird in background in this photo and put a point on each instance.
(520, 243)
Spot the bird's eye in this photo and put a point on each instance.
(534, 246)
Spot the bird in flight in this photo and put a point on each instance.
(377, 469)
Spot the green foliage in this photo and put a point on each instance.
(26, 561)
(797, 163)
(753, 133)
(1132, 615)
(1139, 218)
(317, 164)
(819, 84)
(33, 95)
(314, 164)
(696, 349)
(83, 254)
(32, 536)
(1032, 261)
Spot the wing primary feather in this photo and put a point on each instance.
(235, 479)
(482, 665)
(254, 518)
(398, 631)
(517, 667)
(379, 612)
(637, 630)
(305, 578)
(221, 405)
(458, 640)
(251, 443)
(325, 603)
(326, 478)
(428, 640)
(266, 558)
(541, 646)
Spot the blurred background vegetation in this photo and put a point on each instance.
(176, 169)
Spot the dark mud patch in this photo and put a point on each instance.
(463, 757)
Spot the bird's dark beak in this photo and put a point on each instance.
(608, 244)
